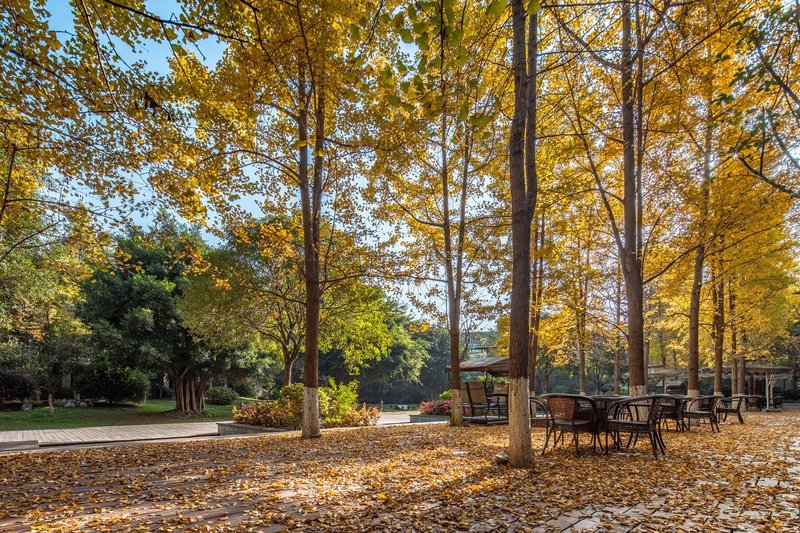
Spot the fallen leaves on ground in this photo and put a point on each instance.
(413, 478)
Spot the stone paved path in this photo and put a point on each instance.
(33, 438)
(56, 437)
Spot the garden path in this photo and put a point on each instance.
(104, 434)
(19, 440)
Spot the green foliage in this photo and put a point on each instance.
(114, 384)
(15, 385)
(285, 413)
(407, 352)
(337, 406)
(133, 312)
(221, 396)
(446, 395)
(343, 396)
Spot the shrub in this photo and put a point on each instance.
(285, 413)
(15, 385)
(255, 414)
(355, 417)
(114, 384)
(343, 399)
(337, 408)
(436, 407)
(221, 396)
(446, 395)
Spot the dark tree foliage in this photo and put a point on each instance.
(135, 322)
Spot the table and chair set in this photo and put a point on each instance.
(620, 420)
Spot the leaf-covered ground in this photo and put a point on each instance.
(413, 478)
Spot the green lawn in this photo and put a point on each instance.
(153, 412)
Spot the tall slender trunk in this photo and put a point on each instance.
(536, 304)
(520, 452)
(694, 323)
(631, 261)
(718, 326)
(742, 377)
(310, 197)
(734, 348)
(618, 316)
(699, 256)
(453, 266)
(288, 363)
(580, 326)
(582, 310)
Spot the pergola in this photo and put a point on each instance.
(663, 373)
(770, 372)
(496, 366)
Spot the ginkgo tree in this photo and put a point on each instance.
(437, 151)
(250, 292)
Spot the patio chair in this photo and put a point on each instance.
(753, 403)
(731, 406)
(777, 402)
(672, 408)
(500, 393)
(572, 413)
(480, 406)
(635, 417)
(703, 408)
(540, 418)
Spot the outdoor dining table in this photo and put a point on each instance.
(603, 405)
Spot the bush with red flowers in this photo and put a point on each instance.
(436, 407)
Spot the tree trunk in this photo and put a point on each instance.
(310, 197)
(618, 347)
(742, 374)
(699, 258)
(735, 363)
(520, 453)
(694, 324)
(452, 275)
(581, 310)
(536, 305)
(50, 406)
(189, 394)
(581, 360)
(631, 261)
(718, 326)
(287, 371)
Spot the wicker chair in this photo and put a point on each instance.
(635, 417)
(480, 407)
(574, 414)
(731, 406)
(703, 408)
(540, 418)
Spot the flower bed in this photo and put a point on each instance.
(436, 407)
